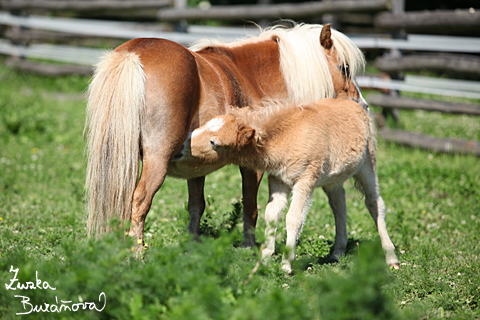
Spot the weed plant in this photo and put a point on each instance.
(432, 215)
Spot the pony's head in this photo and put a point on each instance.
(318, 62)
(340, 70)
(216, 141)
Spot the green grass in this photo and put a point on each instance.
(432, 215)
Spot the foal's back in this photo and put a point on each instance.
(331, 134)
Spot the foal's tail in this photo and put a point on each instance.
(116, 105)
(372, 139)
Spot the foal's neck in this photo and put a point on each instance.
(272, 125)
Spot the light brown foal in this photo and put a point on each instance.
(301, 147)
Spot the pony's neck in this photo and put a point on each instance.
(260, 60)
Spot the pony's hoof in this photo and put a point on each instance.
(248, 243)
(333, 259)
(140, 250)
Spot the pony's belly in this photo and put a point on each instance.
(182, 170)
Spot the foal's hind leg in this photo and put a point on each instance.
(367, 180)
(336, 200)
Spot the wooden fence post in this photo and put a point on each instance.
(180, 25)
(398, 7)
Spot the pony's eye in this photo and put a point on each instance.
(214, 144)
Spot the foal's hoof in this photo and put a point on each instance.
(287, 267)
(395, 266)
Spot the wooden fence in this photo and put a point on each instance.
(26, 30)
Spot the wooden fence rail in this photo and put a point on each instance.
(273, 11)
(425, 142)
(439, 21)
(427, 85)
(82, 5)
(119, 29)
(387, 101)
(462, 64)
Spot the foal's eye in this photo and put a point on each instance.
(214, 144)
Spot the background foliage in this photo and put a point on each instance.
(432, 216)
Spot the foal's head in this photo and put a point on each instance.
(342, 74)
(216, 141)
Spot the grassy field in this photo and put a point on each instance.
(433, 218)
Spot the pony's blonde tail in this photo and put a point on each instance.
(116, 103)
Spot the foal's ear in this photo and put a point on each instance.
(245, 136)
(326, 37)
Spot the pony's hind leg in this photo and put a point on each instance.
(153, 175)
(336, 200)
(196, 204)
(367, 180)
(278, 200)
(171, 100)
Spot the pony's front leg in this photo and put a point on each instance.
(278, 199)
(196, 204)
(336, 200)
(250, 183)
(302, 193)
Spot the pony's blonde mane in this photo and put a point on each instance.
(303, 60)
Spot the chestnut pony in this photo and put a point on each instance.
(148, 94)
(301, 147)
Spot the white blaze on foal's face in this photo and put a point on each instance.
(210, 141)
(213, 125)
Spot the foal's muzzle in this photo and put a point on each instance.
(360, 100)
(363, 104)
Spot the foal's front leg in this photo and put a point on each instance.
(302, 193)
(278, 199)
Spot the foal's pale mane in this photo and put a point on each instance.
(303, 60)
(264, 116)
(257, 115)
